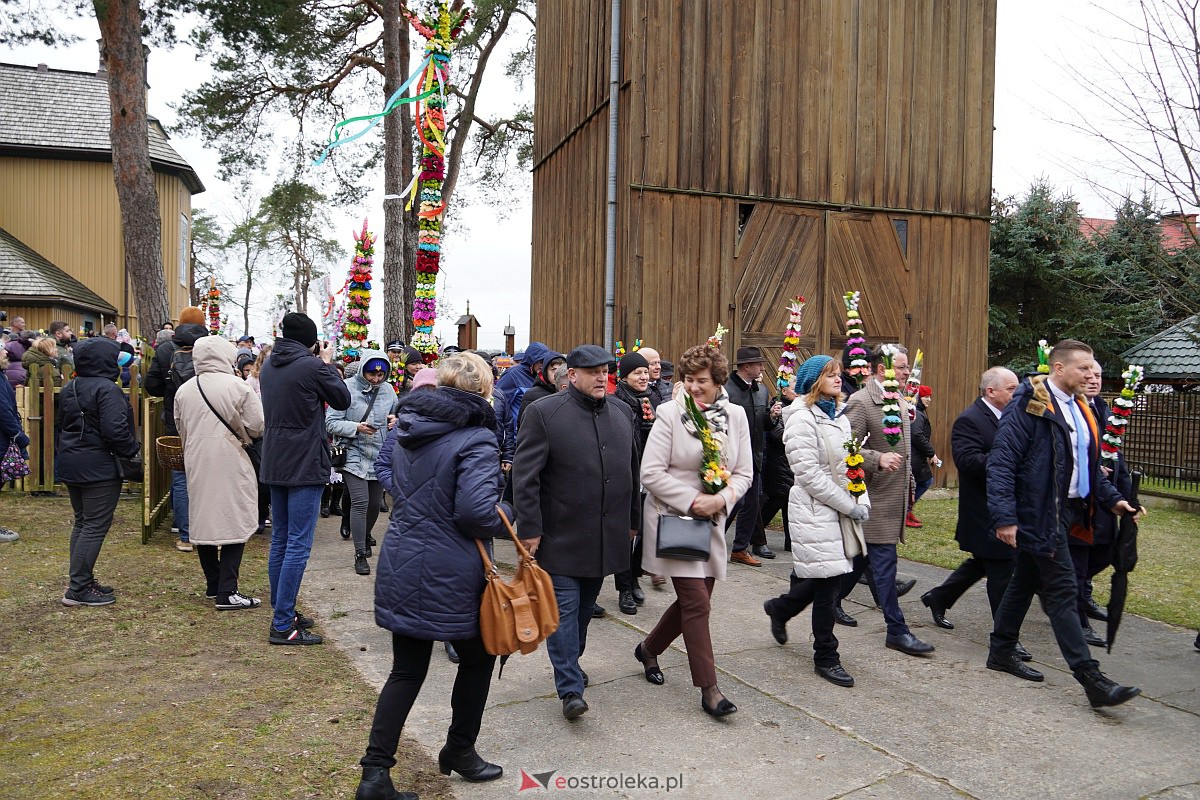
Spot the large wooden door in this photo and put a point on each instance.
(784, 251)
(864, 254)
(779, 255)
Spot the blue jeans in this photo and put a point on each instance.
(293, 522)
(922, 488)
(179, 502)
(882, 558)
(576, 597)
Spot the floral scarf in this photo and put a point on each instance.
(713, 434)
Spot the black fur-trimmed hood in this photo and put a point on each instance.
(425, 415)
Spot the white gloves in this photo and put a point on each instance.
(859, 513)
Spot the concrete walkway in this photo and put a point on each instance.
(939, 727)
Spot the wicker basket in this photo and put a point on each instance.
(170, 452)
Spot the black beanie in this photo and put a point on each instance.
(630, 362)
(299, 328)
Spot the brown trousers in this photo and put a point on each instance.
(688, 615)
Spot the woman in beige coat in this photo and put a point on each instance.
(222, 485)
(671, 467)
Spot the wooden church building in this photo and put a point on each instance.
(769, 148)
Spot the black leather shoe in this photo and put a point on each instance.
(653, 674)
(904, 587)
(835, 674)
(586, 679)
(574, 706)
(639, 596)
(1013, 665)
(469, 764)
(842, 618)
(778, 626)
(762, 551)
(345, 528)
(626, 603)
(325, 513)
(723, 708)
(361, 566)
(1102, 691)
(1020, 652)
(909, 644)
(376, 784)
(598, 611)
(1197, 643)
(1091, 637)
(1095, 611)
(451, 653)
(938, 612)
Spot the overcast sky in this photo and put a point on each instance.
(486, 261)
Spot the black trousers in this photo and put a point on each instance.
(997, 571)
(773, 504)
(365, 497)
(221, 565)
(94, 505)
(821, 594)
(410, 664)
(1053, 577)
(1089, 561)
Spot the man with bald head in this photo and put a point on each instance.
(971, 441)
(660, 389)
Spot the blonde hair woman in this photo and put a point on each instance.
(824, 519)
(442, 459)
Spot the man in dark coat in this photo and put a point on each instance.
(576, 479)
(971, 441)
(746, 390)
(1043, 479)
(296, 385)
(160, 384)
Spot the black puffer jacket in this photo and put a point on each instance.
(295, 386)
(158, 377)
(94, 418)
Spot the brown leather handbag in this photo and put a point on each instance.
(518, 615)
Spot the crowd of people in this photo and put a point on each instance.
(609, 467)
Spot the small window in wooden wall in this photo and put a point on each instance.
(901, 226)
(744, 212)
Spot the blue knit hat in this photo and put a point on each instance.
(808, 372)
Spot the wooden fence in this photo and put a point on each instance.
(1163, 439)
(37, 403)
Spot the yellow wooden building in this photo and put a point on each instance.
(61, 252)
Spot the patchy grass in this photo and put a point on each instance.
(1165, 585)
(159, 695)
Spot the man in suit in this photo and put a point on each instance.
(746, 390)
(971, 441)
(1043, 479)
(888, 475)
(1091, 557)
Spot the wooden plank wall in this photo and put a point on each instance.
(883, 103)
(810, 114)
(67, 211)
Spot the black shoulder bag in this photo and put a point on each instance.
(129, 468)
(248, 444)
(337, 450)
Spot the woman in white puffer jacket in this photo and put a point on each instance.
(824, 518)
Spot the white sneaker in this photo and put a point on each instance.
(235, 602)
(174, 531)
(8, 535)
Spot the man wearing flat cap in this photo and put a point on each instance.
(746, 390)
(576, 490)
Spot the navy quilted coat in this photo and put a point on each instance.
(445, 478)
